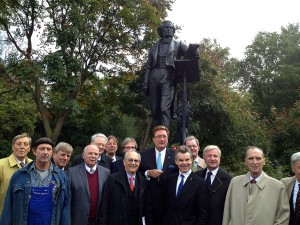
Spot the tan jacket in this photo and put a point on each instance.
(263, 203)
(289, 183)
(8, 166)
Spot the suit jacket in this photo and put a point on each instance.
(80, 200)
(190, 207)
(216, 195)
(105, 161)
(289, 183)
(114, 206)
(117, 166)
(8, 166)
(263, 203)
(201, 164)
(157, 187)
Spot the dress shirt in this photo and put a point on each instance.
(257, 178)
(128, 178)
(162, 155)
(296, 189)
(89, 169)
(213, 174)
(185, 177)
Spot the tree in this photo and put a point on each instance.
(270, 70)
(221, 115)
(62, 45)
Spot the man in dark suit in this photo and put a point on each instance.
(87, 181)
(186, 199)
(217, 183)
(292, 187)
(157, 164)
(100, 141)
(123, 196)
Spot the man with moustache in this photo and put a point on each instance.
(292, 185)
(255, 197)
(100, 141)
(87, 181)
(157, 163)
(186, 201)
(9, 165)
(217, 181)
(39, 192)
(123, 196)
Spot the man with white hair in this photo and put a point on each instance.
(255, 197)
(292, 185)
(217, 181)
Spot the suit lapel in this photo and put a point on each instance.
(187, 185)
(82, 173)
(167, 160)
(152, 158)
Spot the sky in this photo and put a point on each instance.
(233, 23)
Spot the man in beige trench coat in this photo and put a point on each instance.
(255, 198)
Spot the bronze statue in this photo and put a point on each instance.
(160, 81)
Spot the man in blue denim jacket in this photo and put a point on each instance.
(38, 193)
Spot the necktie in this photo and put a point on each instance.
(297, 206)
(180, 184)
(131, 184)
(208, 180)
(158, 162)
(253, 181)
(91, 171)
(22, 164)
(194, 167)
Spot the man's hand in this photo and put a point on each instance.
(154, 173)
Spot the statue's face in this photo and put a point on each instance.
(168, 30)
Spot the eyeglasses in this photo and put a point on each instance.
(129, 148)
(133, 160)
(161, 136)
(217, 184)
(19, 144)
(192, 146)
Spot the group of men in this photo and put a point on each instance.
(158, 186)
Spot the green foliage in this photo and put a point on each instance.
(220, 115)
(270, 69)
(17, 115)
(75, 43)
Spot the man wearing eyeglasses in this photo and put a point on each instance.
(187, 198)
(128, 144)
(9, 165)
(123, 196)
(157, 164)
(217, 183)
(193, 144)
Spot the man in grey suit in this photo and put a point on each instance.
(292, 185)
(87, 181)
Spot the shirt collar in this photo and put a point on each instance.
(185, 174)
(89, 169)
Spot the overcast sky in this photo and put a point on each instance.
(233, 23)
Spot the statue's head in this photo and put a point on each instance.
(166, 29)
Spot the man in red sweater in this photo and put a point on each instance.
(87, 180)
